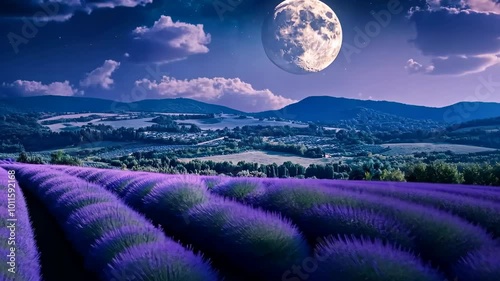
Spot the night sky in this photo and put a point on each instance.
(430, 52)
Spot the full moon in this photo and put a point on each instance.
(302, 36)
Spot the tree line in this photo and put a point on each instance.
(435, 172)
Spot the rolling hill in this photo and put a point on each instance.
(327, 109)
(61, 104)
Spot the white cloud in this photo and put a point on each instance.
(454, 65)
(412, 66)
(101, 76)
(486, 6)
(231, 92)
(462, 65)
(34, 88)
(113, 3)
(168, 41)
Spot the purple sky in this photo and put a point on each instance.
(430, 52)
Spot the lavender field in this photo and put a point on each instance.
(78, 223)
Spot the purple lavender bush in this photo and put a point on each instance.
(71, 202)
(122, 183)
(173, 198)
(213, 181)
(86, 173)
(7, 161)
(248, 240)
(326, 220)
(465, 190)
(257, 239)
(104, 232)
(425, 185)
(60, 185)
(114, 241)
(36, 175)
(135, 181)
(91, 223)
(352, 259)
(88, 214)
(479, 266)
(111, 176)
(258, 243)
(439, 237)
(81, 172)
(291, 197)
(99, 175)
(22, 263)
(483, 212)
(150, 261)
(239, 189)
(119, 183)
(139, 188)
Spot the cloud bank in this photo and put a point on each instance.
(486, 6)
(23, 88)
(231, 92)
(460, 37)
(101, 76)
(454, 65)
(167, 41)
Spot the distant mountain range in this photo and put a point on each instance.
(324, 109)
(327, 109)
(60, 104)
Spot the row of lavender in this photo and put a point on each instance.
(20, 259)
(245, 243)
(483, 211)
(266, 245)
(115, 242)
(337, 212)
(473, 191)
(461, 250)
